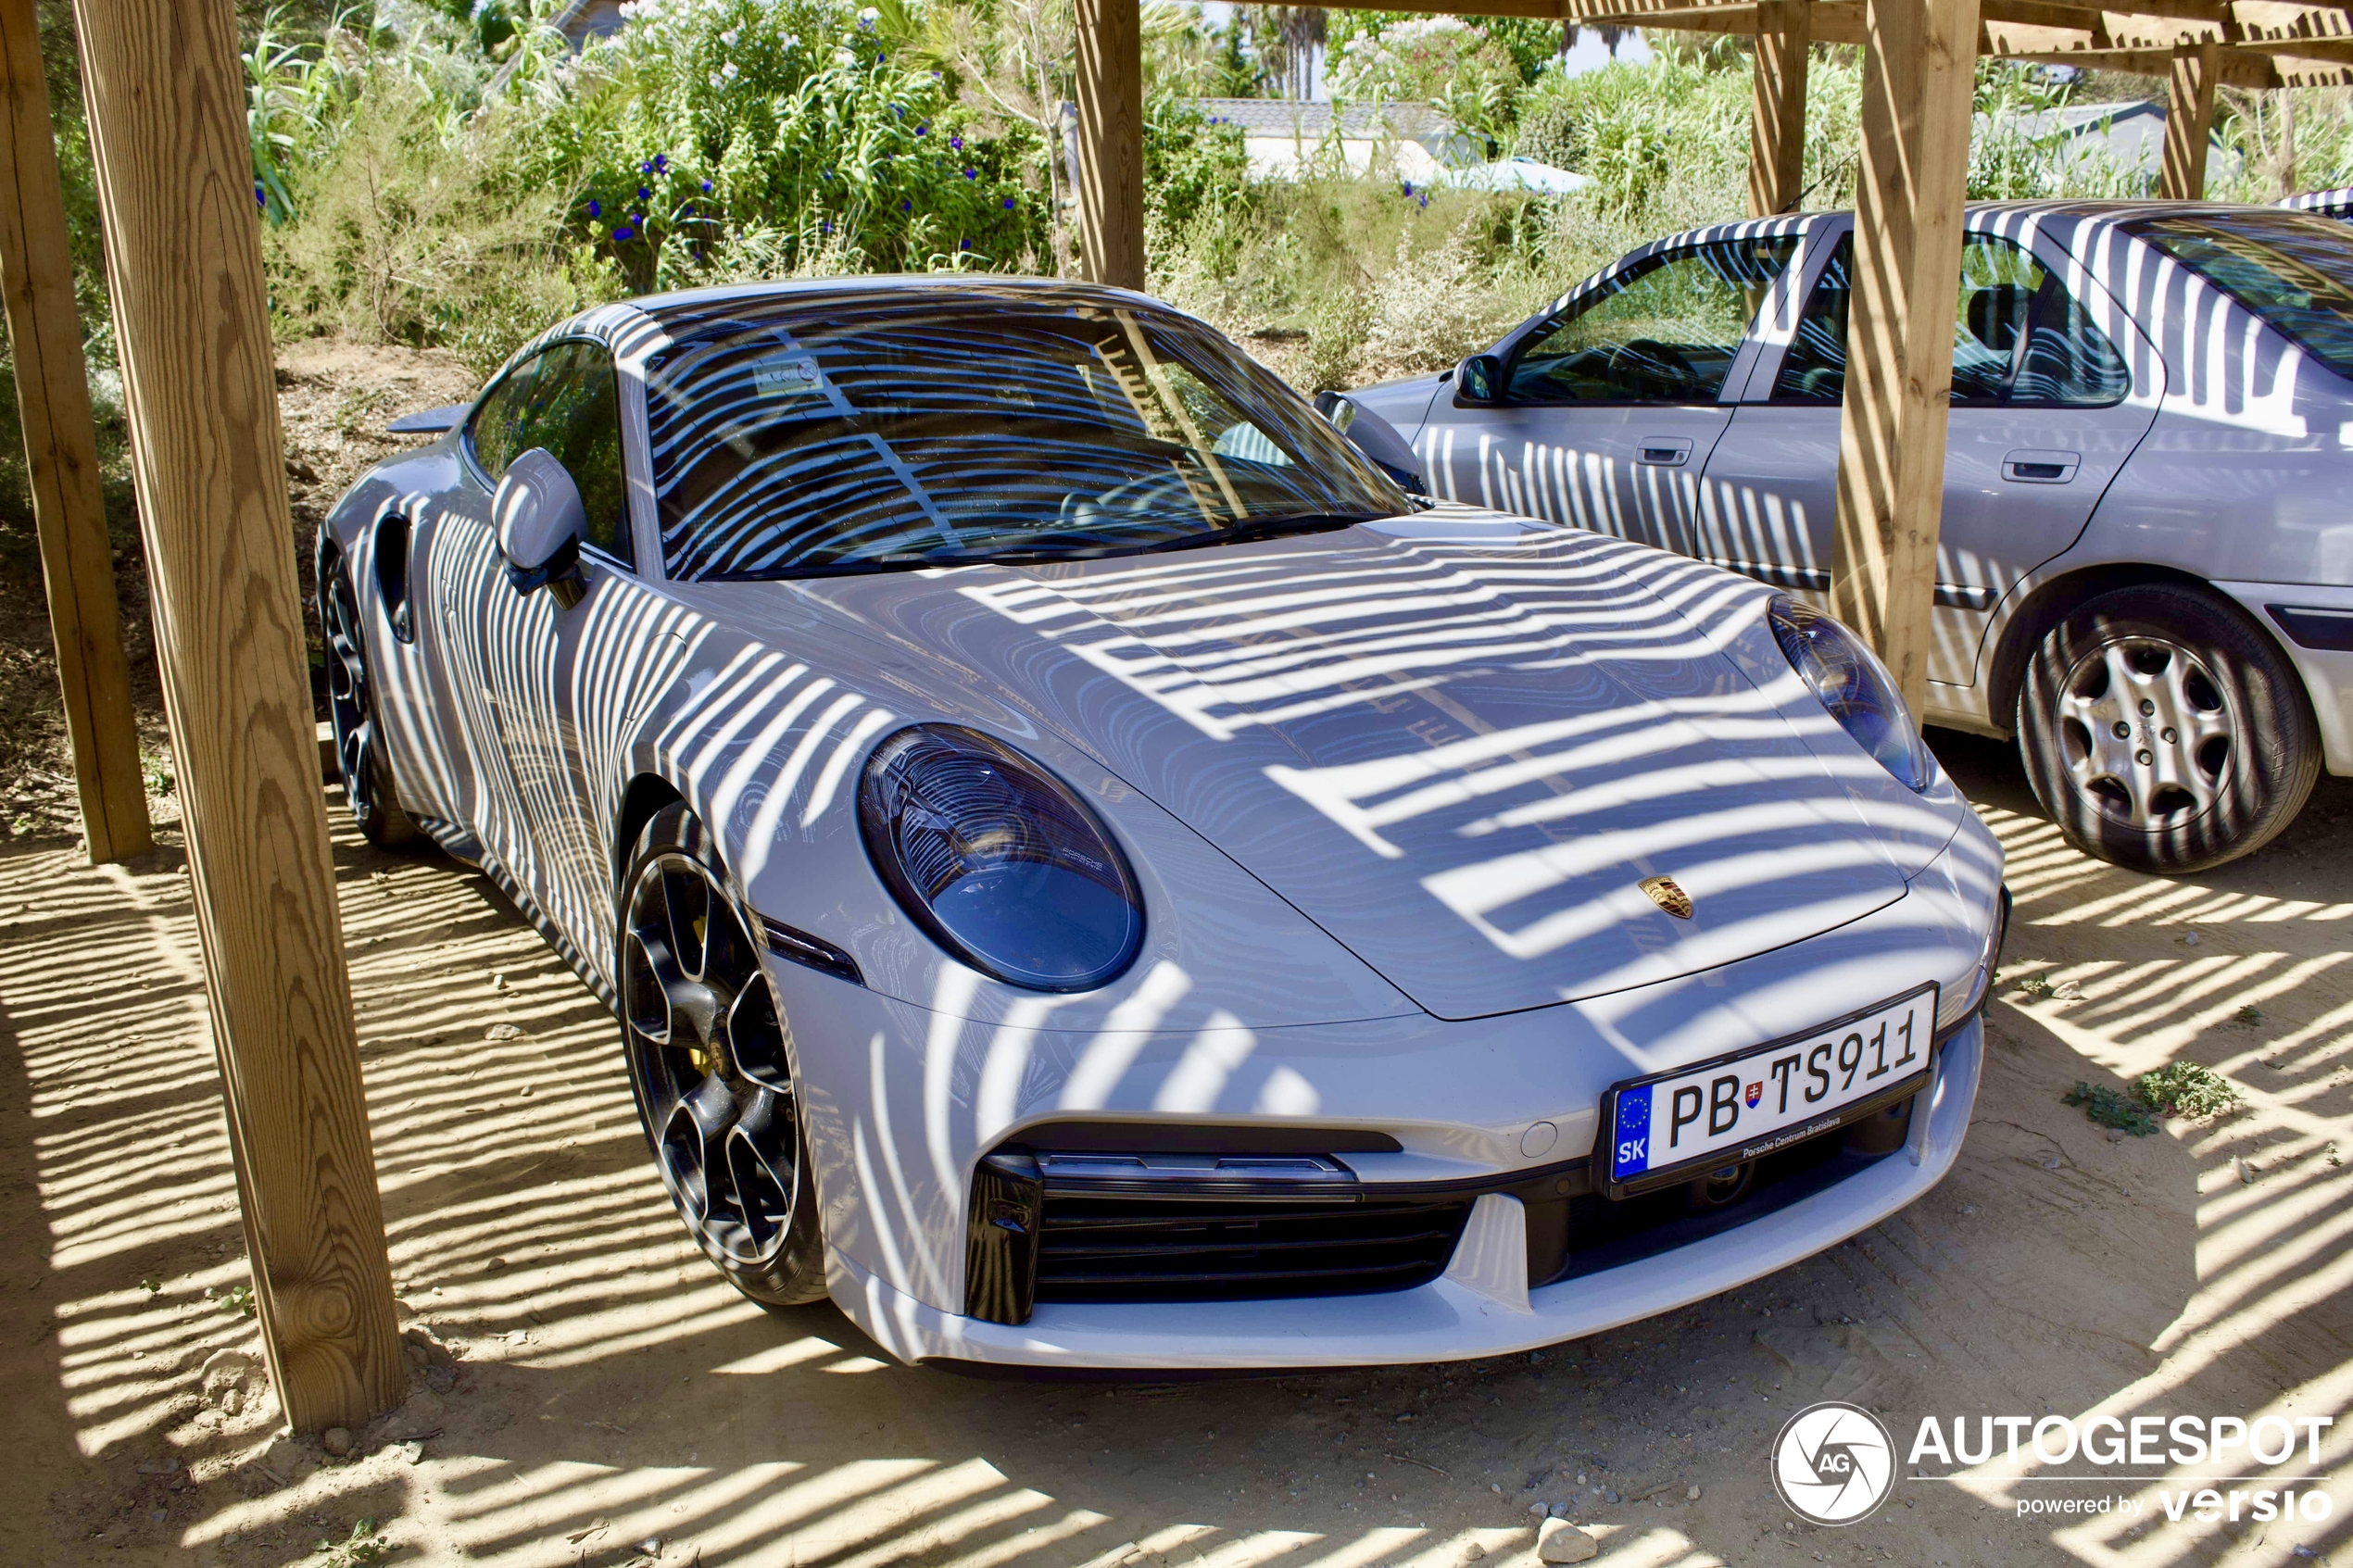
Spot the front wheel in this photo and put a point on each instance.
(2163, 732)
(710, 1068)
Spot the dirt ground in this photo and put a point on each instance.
(589, 1392)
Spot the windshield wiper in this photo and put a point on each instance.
(1265, 528)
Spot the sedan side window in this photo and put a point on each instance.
(1664, 331)
(568, 400)
(2019, 339)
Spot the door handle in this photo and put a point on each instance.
(2029, 467)
(1664, 452)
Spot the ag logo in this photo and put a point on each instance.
(1833, 1463)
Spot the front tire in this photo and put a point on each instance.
(710, 1066)
(2163, 732)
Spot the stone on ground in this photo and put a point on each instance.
(1557, 1540)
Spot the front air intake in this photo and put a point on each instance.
(1162, 1227)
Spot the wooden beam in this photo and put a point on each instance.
(1919, 73)
(1111, 142)
(2189, 121)
(1777, 115)
(61, 458)
(167, 101)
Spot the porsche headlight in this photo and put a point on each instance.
(1000, 861)
(1855, 687)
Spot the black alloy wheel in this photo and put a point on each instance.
(710, 1066)
(368, 784)
(2163, 730)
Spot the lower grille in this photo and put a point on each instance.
(1119, 1248)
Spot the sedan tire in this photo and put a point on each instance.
(2163, 732)
(710, 1065)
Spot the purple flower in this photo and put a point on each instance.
(623, 232)
(638, 219)
(706, 187)
(260, 196)
(1409, 186)
(972, 174)
(1009, 203)
(825, 227)
(596, 208)
(923, 128)
(964, 244)
(957, 143)
(645, 169)
(906, 205)
(661, 163)
(644, 193)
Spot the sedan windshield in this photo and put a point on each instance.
(2293, 270)
(909, 427)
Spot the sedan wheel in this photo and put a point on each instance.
(710, 1069)
(2164, 733)
(368, 786)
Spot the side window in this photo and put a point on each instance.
(1665, 330)
(566, 399)
(2019, 339)
(495, 432)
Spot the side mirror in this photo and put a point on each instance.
(540, 520)
(1480, 379)
(1375, 438)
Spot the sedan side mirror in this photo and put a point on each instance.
(540, 520)
(1480, 379)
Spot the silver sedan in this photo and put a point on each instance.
(2145, 571)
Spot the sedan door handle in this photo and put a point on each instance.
(2029, 467)
(1666, 452)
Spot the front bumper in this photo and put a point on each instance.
(1481, 1306)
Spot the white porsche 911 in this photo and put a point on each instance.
(1092, 875)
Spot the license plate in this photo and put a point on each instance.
(1743, 1106)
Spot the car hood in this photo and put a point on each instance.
(1461, 744)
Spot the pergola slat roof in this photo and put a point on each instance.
(2261, 42)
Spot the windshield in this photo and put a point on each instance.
(2293, 270)
(839, 432)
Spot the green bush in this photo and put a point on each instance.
(792, 118)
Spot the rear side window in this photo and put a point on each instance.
(2293, 270)
(2019, 339)
(567, 399)
(1664, 331)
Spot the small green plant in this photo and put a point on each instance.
(2106, 1107)
(363, 1545)
(240, 1301)
(152, 1287)
(2249, 1015)
(2187, 1088)
(2035, 985)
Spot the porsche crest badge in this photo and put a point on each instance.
(1668, 895)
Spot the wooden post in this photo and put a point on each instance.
(1111, 142)
(166, 96)
(2189, 122)
(1918, 71)
(61, 457)
(1777, 118)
